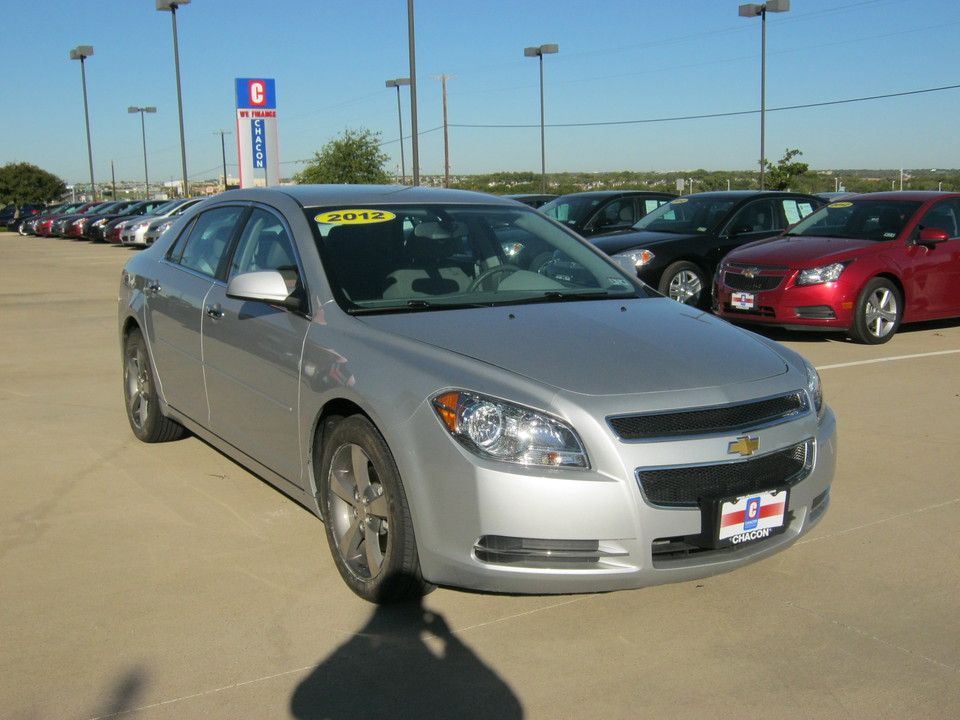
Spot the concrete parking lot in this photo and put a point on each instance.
(165, 581)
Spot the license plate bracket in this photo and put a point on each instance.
(742, 519)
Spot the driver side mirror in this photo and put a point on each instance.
(933, 235)
(265, 286)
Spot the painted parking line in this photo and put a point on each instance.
(888, 359)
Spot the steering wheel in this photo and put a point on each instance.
(489, 273)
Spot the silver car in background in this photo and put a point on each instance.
(468, 394)
(143, 231)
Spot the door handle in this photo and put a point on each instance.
(214, 311)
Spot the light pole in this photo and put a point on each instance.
(172, 5)
(143, 132)
(414, 129)
(753, 10)
(539, 52)
(397, 83)
(81, 53)
(223, 152)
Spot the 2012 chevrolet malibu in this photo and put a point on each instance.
(468, 394)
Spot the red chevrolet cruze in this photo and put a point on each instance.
(862, 265)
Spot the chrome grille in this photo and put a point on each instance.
(687, 486)
(709, 420)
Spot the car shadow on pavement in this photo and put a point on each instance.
(404, 663)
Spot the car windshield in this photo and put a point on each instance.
(690, 215)
(862, 219)
(424, 257)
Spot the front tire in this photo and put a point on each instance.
(140, 394)
(878, 313)
(366, 515)
(684, 282)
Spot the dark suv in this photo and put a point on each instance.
(678, 246)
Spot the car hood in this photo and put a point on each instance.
(598, 347)
(801, 251)
(618, 242)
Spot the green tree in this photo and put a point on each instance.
(781, 176)
(22, 183)
(353, 158)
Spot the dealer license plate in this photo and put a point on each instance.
(751, 517)
(743, 301)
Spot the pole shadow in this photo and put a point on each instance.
(404, 663)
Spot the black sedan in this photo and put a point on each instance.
(603, 211)
(678, 246)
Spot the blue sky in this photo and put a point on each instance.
(624, 69)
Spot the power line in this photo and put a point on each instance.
(720, 115)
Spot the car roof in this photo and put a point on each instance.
(738, 194)
(315, 195)
(614, 193)
(916, 195)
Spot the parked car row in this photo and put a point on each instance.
(12, 215)
(130, 222)
(860, 264)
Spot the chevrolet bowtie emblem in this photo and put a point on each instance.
(745, 445)
(751, 272)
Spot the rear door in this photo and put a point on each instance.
(175, 299)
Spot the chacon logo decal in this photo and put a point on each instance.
(744, 446)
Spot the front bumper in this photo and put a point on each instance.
(486, 528)
(826, 306)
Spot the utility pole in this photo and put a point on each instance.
(223, 152)
(446, 138)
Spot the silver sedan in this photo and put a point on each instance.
(468, 394)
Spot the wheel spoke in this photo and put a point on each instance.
(360, 465)
(378, 506)
(371, 548)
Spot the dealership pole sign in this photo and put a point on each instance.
(257, 132)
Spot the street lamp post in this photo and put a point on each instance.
(539, 52)
(171, 6)
(753, 10)
(223, 152)
(397, 83)
(143, 132)
(414, 127)
(81, 53)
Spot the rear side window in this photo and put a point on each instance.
(203, 245)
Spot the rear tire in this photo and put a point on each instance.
(366, 515)
(140, 395)
(878, 313)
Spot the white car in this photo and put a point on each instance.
(137, 232)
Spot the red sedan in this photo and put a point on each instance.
(862, 265)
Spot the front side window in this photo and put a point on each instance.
(392, 258)
(945, 215)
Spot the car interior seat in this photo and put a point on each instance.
(360, 256)
(429, 269)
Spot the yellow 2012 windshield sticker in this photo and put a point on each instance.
(354, 217)
(841, 204)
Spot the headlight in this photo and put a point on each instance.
(499, 430)
(814, 388)
(820, 275)
(639, 258)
